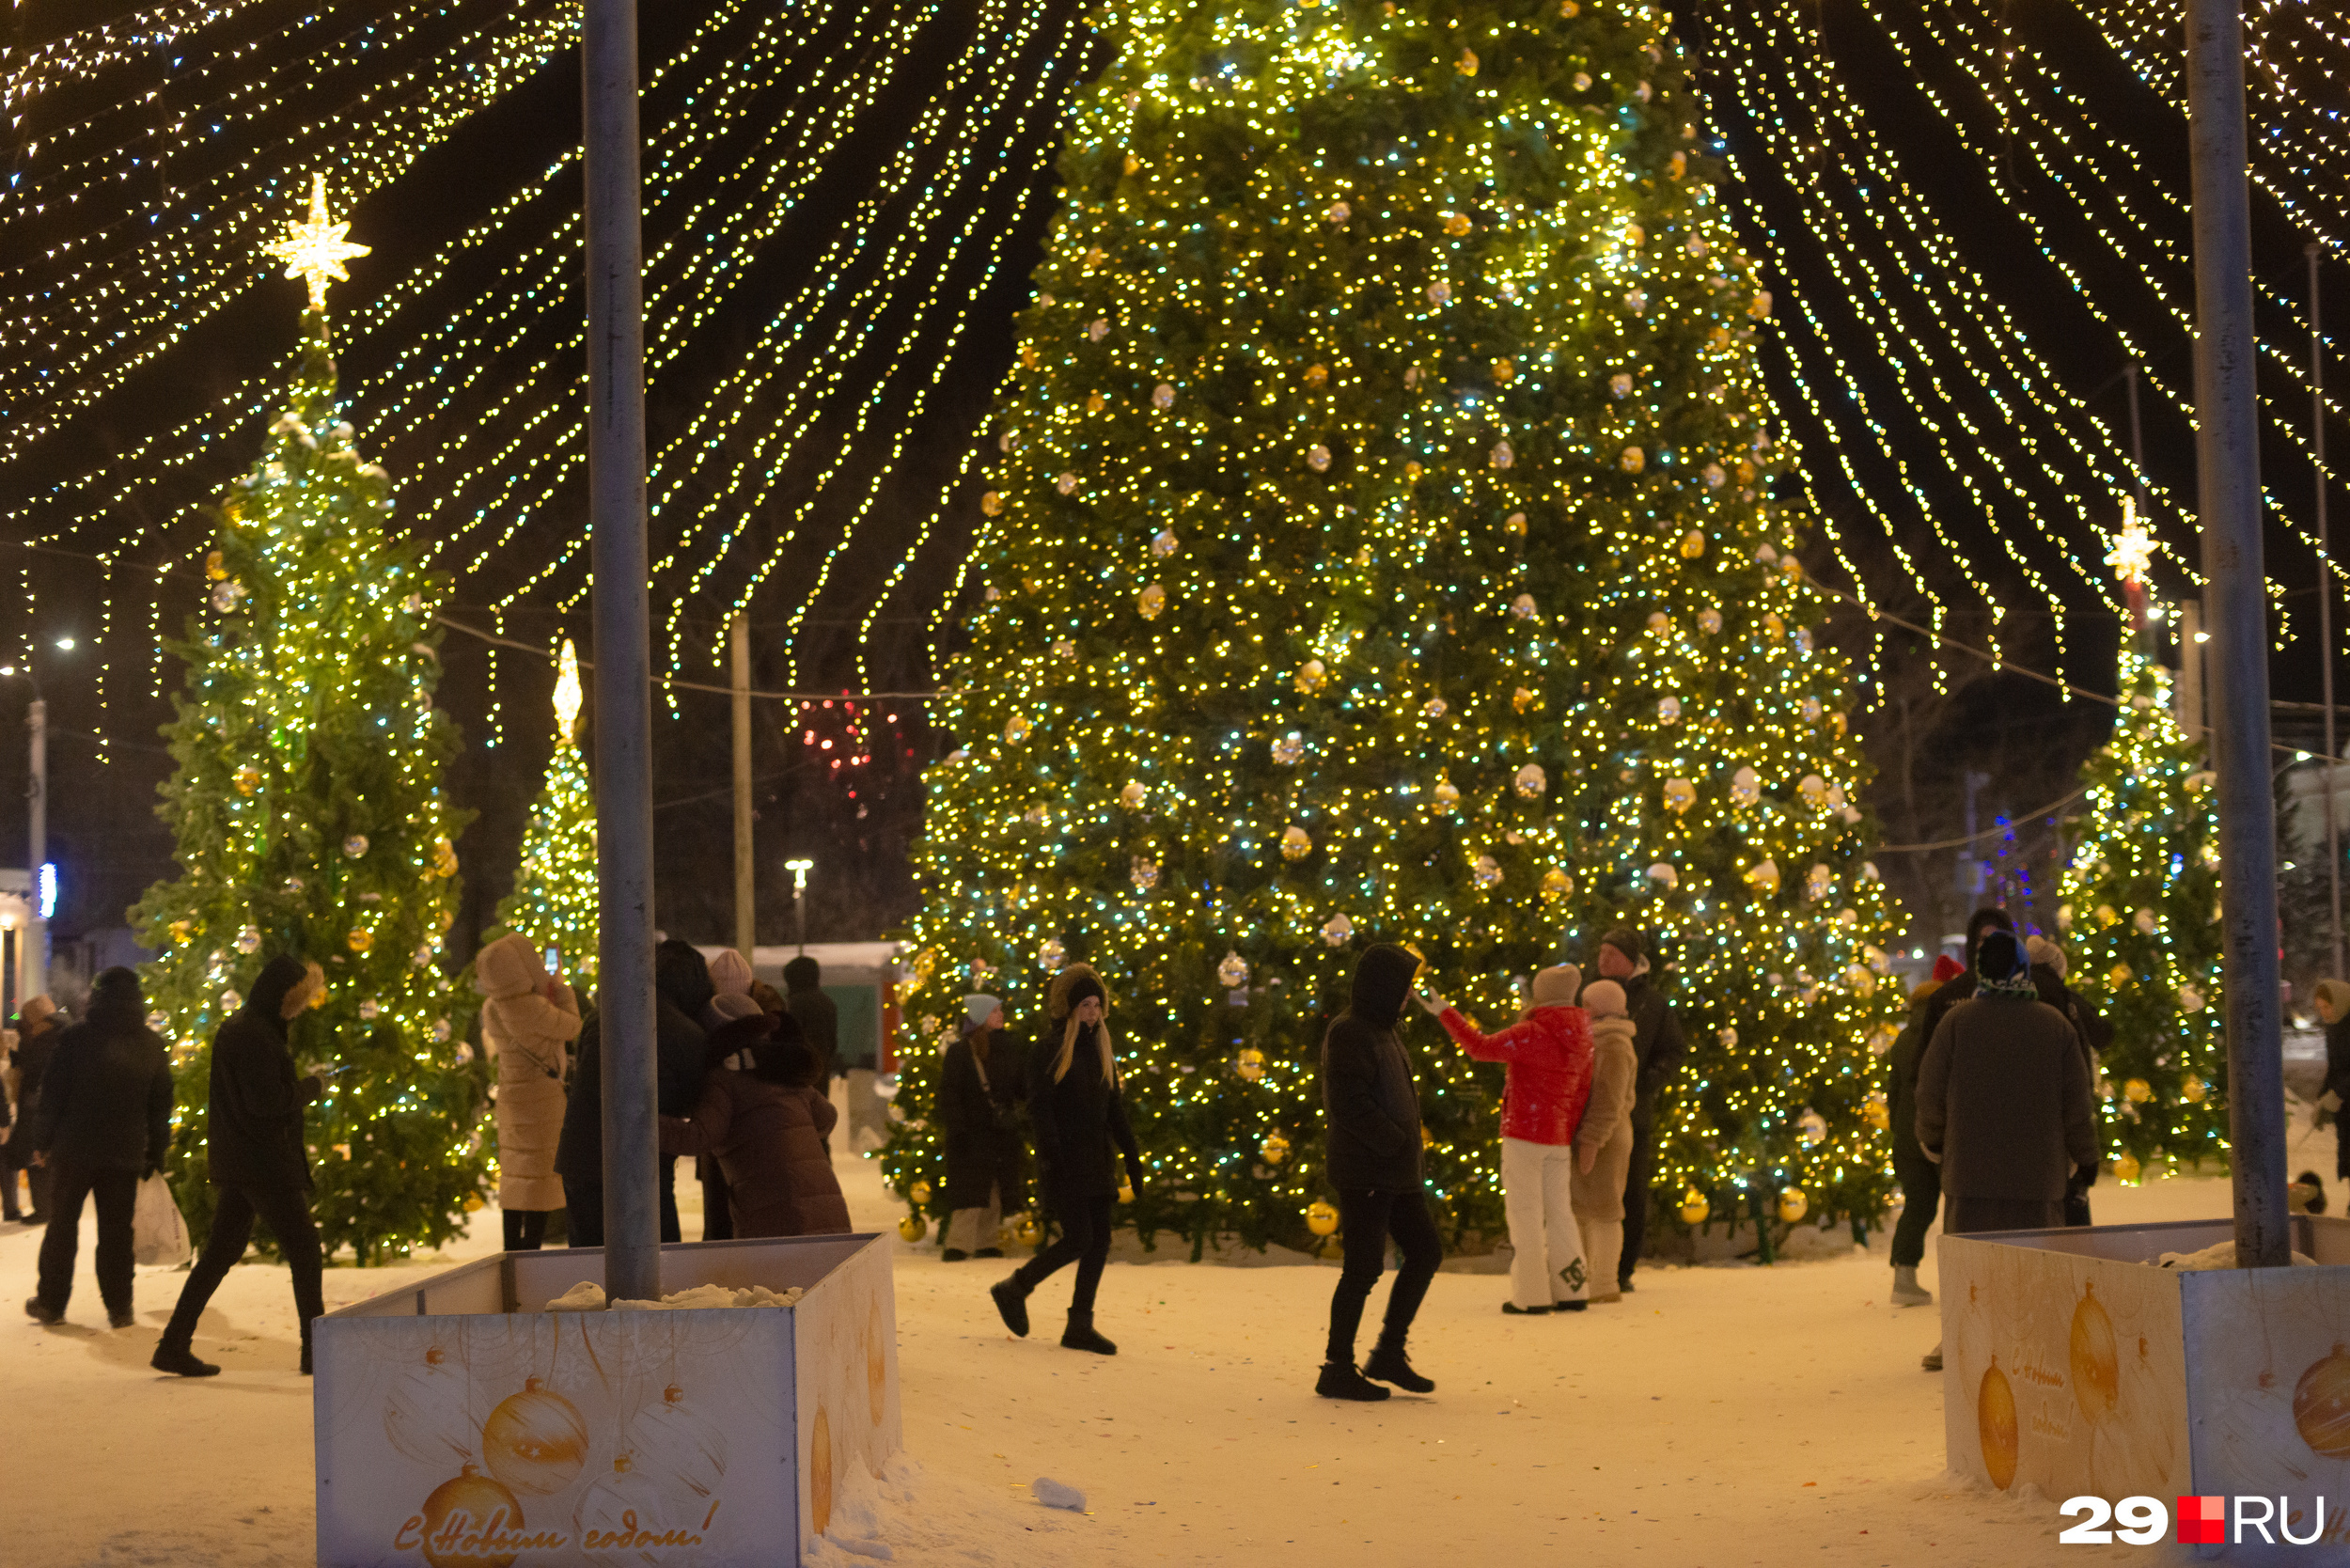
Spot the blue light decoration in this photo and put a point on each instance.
(48, 889)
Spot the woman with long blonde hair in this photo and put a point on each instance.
(1078, 1115)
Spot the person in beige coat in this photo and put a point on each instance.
(1603, 1144)
(529, 1020)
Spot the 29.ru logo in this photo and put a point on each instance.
(2203, 1521)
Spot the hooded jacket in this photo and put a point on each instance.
(38, 1027)
(682, 1051)
(768, 1137)
(1608, 1125)
(818, 1015)
(979, 1084)
(107, 1105)
(1371, 1107)
(529, 1035)
(1549, 1054)
(253, 1133)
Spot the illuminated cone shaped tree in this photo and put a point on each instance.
(2139, 923)
(311, 819)
(1378, 549)
(554, 901)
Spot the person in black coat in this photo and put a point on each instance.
(978, 1107)
(1656, 1040)
(1079, 1115)
(818, 1015)
(257, 1157)
(2089, 1029)
(1370, 1108)
(681, 993)
(38, 1025)
(104, 1119)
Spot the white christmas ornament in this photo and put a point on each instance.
(1050, 955)
(1745, 787)
(1288, 748)
(1669, 711)
(1663, 876)
(1337, 932)
(1487, 870)
(1530, 782)
(1233, 971)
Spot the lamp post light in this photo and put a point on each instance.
(799, 869)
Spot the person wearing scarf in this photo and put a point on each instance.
(2004, 1104)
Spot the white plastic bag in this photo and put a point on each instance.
(158, 1234)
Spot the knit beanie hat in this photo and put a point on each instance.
(730, 974)
(1628, 942)
(1604, 999)
(729, 1004)
(978, 1010)
(2039, 949)
(1946, 969)
(2335, 994)
(1557, 985)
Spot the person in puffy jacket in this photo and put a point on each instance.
(766, 1129)
(1081, 1129)
(978, 1107)
(1548, 1052)
(257, 1157)
(104, 1119)
(1370, 1114)
(528, 1021)
(1604, 1144)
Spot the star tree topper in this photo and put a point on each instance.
(2134, 549)
(316, 251)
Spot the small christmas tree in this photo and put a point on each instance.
(310, 819)
(1379, 549)
(2140, 925)
(554, 901)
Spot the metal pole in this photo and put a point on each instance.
(2227, 443)
(2325, 608)
(745, 907)
(2138, 441)
(36, 980)
(2192, 671)
(615, 487)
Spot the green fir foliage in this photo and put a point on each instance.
(2139, 922)
(310, 819)
(554, 901)
(1378, 545)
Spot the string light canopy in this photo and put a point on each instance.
(838, 198)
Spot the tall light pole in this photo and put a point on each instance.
(616, 512)
(745, 889)
(32, 951)
(2325, 608)
(2227, 443)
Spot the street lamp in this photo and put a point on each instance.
(33, 952)
(799, 869)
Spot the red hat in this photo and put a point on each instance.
(1946, 969)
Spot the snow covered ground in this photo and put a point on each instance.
(1720, 1416)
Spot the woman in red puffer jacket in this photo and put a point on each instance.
(1549, 1052)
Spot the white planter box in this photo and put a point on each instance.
(695, 1439)
(2070, 1364)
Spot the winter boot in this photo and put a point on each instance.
(1517, 1312)
(1012, 1303)
(180, 1361)
(306, 1350)
(1569, 1306)
(989, 1252)
(41, 1312)
(1932, 1359)
(124, 1319)
(1080, 1335)
(1907, 1291)
(1389, 1364)
(953, 1255)
(1340, 1380)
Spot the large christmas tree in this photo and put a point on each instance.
(554, 901)
(2139, 922)
(311, 819)
(1381, 548)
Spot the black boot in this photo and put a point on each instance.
(1079, 1335)
(41, 1312)
(1340, 1380)
(1389, 1364)
(180, 1361)
(123, 1319)
(306, 1350)
(1012, 1303)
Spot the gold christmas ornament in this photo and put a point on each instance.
(1145, 872)
(2193, 1090)
(2125, 1168)
(1317, 376)
(1250, 1064)
(1693, 544)
(1521, 700)
(2138, 1092)
(1694, 1207)
(1233, 971)
(1456, 223)
(918, 1194)
(534, 1442)
(1312, 676)
(1320, 1218)
(1515, 525)
(2119, 975)
(1016, 728)
(248, 778)
(1445, 796)
(1996, 1425)
(1151, 602)
(2097, 1360)
(1634, 460)
(1275, 1148)
(359, 939)
(1874, 1111)
(1793, 1205)
(914, 1228)
(1027, 1231)
(1296, 844)
(2321, 1406)
(1556, 883)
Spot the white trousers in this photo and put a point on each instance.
(1537, 1195)
(968, 1230)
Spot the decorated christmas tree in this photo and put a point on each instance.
(2140, 924)
(1379, 547)
(310, 819)
(554, 901)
